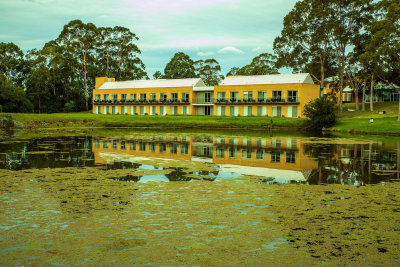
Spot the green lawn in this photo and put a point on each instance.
(358, 121)
(85, 119)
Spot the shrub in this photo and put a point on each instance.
(70, 106)
(322, 113)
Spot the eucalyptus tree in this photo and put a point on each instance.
(78, 40)
(233, 71)
(262, 64)
(157, 75)
(210, 71)
(179, 67)
(345, 21)
(12, 63)
(304, 39)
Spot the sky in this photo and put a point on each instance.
(231, 31)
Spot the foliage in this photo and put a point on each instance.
(179, 67)
(13, 98)
(157, 75)
(262, 64)
(70, 106)
(209, 70)
(322, 113)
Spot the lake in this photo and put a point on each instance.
(121, 197)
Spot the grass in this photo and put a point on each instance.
(86, 119)
(358, 121)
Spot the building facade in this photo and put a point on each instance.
(281, 95)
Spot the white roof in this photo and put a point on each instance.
(267, 172)
(268, 79)
(192, 82)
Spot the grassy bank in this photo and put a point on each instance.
(85, 119)
(354, 121)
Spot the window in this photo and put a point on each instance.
(220, 152)
(174, 110)
(115, 98)
(114, 144)
(133, 110)
(152, 97)
(291, 143)
(97, 97)
(142, 110)
(173, 148)
(291, 157)
(221, 96)
(233, 111)
(142, 146)
(114, 110)
(276, 96)
(97, 143)
(261, 96)
(97, 109)
(184, 149)
(247, 111)
(246, 153)
(275, 142)
(260, 154)
(123, 97)
(261, 111)
(221, 110)
(133, 97)
(184, 110)
(292, 96)
(106, 97)
(276, 111)
(163, 97)
(162, 147)
(163, 110)
(142, 97)
(248, 95)
(106, 110)
(132, 145)
(124, 110)
(234, 96)
(174, 97)
(105, 144)
(275, 156)
(185, 97)
(291, 112)
(152, 147)
(153, 110)
(123, 145)
(233, 152)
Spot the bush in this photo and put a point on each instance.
(322, 113)
(70, 106)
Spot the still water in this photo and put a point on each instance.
(167, 157)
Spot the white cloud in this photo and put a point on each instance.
(230, 49)
(256, 49)
(204, 54)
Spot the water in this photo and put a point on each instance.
(210, 156)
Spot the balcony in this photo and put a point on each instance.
(204, 101)
(142, 102)
(251, 101)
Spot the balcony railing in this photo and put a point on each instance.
(256, 101)
(204, 100)
(143, 101)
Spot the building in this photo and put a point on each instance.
(280, 95)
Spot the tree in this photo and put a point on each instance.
(322, 113)
(345, 21)
(384, 46)
(12, 63)
(12, 97)
(157, 75)
(262, 64)
(209, 70)
(233, 71)
(304, 40)
(179, 67)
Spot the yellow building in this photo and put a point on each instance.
(280, 95)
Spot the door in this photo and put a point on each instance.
(207, 111)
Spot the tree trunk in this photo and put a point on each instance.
(398, 117)
(322, 71)
(85, 81)
(341, 72)
(371, 101)
(107, 63)
(356, 94)
(39, 104)
(363, 96)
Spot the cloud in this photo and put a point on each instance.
(256, 49)
(230, 49)
(204, 54)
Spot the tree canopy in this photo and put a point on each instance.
(179, 67)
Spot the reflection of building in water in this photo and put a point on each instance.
(277, 157)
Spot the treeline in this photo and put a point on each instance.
(354, 42)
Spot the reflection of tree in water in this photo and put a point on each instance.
(177, 175)
(350, 164)
(118, 165)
